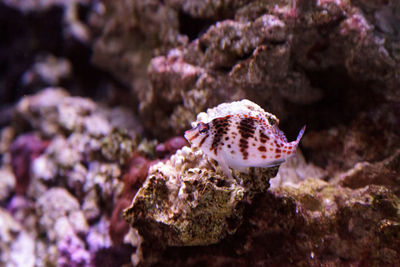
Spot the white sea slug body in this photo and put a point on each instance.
(248, 138)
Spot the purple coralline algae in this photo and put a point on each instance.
(60, 223)
(72, 252)
(24, 150)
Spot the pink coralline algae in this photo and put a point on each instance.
(24, 150)
(133, 179)
(72, 253)
(170, 146)
(118, 227)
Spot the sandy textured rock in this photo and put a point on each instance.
(188, 201)
(320, 224)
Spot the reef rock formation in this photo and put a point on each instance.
(70, 165)
(188, 201)
(69, 183)
(316, 224)
(282, 54)
(187, 208)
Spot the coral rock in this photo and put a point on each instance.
(61, 220)
(318, 223)
(58, 207)
(386, 172)
(16, 245)
(187, 202)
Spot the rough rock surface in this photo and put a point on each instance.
(316, 224)
(274, 52)
(386, 172)
(60, 222)
(74, 182)
(187, 201)
(330, 64)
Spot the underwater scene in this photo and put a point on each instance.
(199, 133)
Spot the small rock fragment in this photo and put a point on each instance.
(16, 245)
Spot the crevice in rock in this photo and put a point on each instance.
(344, 98)
(193, 27)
